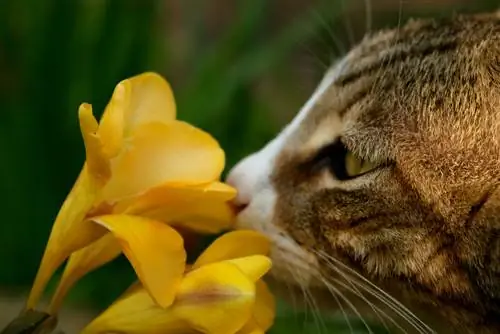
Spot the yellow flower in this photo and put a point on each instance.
(222, 293)
(145, 173)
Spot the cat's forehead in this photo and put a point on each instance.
(399, 83)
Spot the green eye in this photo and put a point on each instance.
(355, 166)
(341, 162)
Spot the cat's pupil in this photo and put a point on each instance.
(341, 163)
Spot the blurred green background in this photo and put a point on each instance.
(239, 69)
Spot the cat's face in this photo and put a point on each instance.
(420, 108)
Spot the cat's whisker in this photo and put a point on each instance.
(334, 290)
(349, 286)
(353, 289)
(291, 292)
(344, 313)
(379, 313)
(388, 301)
(316, 313)
(369, 18)
(348, 25)
(308, 298)
(341, 48)
(380, 294)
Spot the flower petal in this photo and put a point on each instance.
(158, 153)
(70, 232)
(251, 328)
(135, 101)
(154, 249)
(82, 262)
(203, 208)
(253, 266)
(215, 299)
(233, 245)
(112, 124)
(169, 192)
(97, 162)
(150, 99)
(264, 311)
(135, 312)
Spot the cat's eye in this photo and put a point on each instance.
(355, 166)
(342, 163)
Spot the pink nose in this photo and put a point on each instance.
(239, 179)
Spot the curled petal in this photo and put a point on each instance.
(149, 99)
(82, 262)
(97, 163)
(253, 266)
(112, 124)
(135, 101)
(233, 245)
(203, 208)
(70, 232)
(215, 299)
(264, 311)
(135, 312)
(170, 192)
(155, 250)
(159, 153)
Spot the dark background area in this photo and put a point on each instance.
(239, 70)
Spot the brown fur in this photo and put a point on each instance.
(424, 102)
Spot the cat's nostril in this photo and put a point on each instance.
(237, 208)
(242, 199)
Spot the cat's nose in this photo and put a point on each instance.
(241, 178)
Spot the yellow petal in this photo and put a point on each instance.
(264, 311)
(97, 162)
(203, 208)
(155, 250)
(215, 299)
(112, 125)
(171, 192)
(150, 99)
(158, 153)
(82, 262)
(251, 328)
(135, 101)
(135, 312)
(70, 232)
(233, 245)
(253, 266)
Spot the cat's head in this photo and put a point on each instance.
(392, 166)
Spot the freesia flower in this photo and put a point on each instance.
(221, 293)
(145, 173)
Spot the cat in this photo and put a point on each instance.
(387, 179)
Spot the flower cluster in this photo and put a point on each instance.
(145, 176)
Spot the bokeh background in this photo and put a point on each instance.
(239, 70)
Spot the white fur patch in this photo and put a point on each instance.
(256, 194)
(251, 175)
